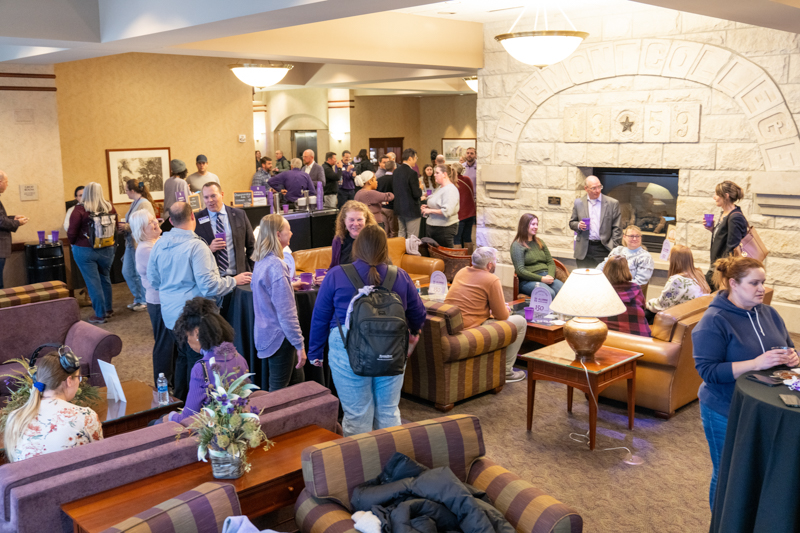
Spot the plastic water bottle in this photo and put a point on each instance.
(416, 284)
(163, 391)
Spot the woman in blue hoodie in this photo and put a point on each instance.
(735, 336)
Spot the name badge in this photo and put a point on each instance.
(203, 220)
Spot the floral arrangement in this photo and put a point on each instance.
(226, 425)
(20, 385)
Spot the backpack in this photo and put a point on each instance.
(377, 339)
(102, 227)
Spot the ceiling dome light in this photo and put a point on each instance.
(259, 75)
(541, 48)
(472, 82)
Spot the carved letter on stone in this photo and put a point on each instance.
(578, 67)
(737, 75)
(536, 89)
(708, 65)
(775, 124)
(760, 96)
(503, 153)
(509, 128)
(520, 108)
(574, 124)
(626, 124)
(680, 59)
(627, 57)
(598, 120)
(556, 77)
(602, 60)
(782, 155)
(656, 123)
(654, 55)
(685, 127)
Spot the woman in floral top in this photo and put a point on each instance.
(48, 422)
(685, 283)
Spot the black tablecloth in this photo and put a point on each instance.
(240, 314)
(759, 477)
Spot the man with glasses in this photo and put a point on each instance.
(594, 241)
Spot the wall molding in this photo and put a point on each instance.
(17, 88)
(24, 75)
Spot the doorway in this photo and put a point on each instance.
(305, 140)
(382, 146)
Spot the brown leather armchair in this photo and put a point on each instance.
(666, 379)
(418, 267)
(561, 275)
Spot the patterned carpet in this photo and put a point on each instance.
(666, 494)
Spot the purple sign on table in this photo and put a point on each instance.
(180, 196)
(540, 301)
(259, 191)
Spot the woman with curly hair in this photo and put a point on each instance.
(207, 333)
(353, 217)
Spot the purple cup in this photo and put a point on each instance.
(709, 220)
(429, 191)
(220, 235)
(588, 222)
(320, 272)
(55, 235)
(307, 278)
(285, 209)
(529, 314)
(41, 236)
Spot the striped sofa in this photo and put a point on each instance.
(36, 292)
(451, 363)
(332, 470)
(200, 510)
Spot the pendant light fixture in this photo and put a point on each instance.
(541, 48)
(260, 75)
(472, 82)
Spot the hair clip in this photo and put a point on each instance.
(141, 185)
(39, 385)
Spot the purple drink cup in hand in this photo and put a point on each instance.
(588, 222)
(709, 220)
(219, 236)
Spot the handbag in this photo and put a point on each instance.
(751, 245)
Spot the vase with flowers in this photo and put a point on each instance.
(227, 427)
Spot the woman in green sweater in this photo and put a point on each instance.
(531, 258)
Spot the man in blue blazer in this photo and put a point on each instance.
(234, 251)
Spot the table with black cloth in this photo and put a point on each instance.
(758, 484)
(241, 315)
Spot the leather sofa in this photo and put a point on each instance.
(332, 470)
(33, 490)
(666, 378)
(28, 326)
(447, 352)
(418, 267)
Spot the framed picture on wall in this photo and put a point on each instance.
(455, 149)
(148, 165)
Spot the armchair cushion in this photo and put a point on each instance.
(36, 292)
(478, 340)
(655, 351)
(449, 313)
(201, 510)
(664, 326)
(92, 344)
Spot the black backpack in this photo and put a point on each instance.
(377, 341)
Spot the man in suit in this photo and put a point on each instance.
(7, 225)
(333, 173)
(604, 232)
(312, 168)
(407, 194)
(232, 253)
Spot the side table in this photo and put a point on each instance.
(557, 363)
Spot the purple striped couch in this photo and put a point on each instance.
(332, 470)
(451, 363)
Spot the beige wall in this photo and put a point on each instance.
(445, 117)
(30, 154)
(384, 116)
(194, 105)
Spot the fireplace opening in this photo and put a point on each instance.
(647, 197)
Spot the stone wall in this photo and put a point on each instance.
(746, 80)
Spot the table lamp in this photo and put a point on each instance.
(586, 295)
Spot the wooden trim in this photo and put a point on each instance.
(12, 88)
(340, 101)
(341, 107)
(23, 75)
(20, 246)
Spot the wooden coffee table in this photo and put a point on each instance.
(557, 363)
(540, 333)
(274, 482)
(140, 407)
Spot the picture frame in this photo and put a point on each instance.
(195, 201)
(242, 199)
(150, 165)
(453, 149)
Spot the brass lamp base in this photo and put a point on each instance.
(585, 336)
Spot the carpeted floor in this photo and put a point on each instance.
(668, 493)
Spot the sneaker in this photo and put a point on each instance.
(96, 320)
(109, 314)
(516, 375)
(139, 307)
(130, 306)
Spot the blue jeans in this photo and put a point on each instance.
(715, 425)
(464, 233)
(368, 403)
(281, 366)
(526, 287)
(95, 267)
(131, 276)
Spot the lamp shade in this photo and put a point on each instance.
(541, 48)
(472, 82)
(258, 75)
(587, 292)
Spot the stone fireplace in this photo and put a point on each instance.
(701, 99)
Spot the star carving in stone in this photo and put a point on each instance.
(626, 124)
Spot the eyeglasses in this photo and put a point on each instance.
(595, 188)
(634, 237)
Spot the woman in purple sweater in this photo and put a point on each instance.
(277, 331)
(209, 334)
(368, 403)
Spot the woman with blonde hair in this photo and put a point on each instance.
(48, 422)
(442, 208)
(685, 283)
(640, 262)
(353, 217)
(278, 336)
(632, 320)
(94, 263)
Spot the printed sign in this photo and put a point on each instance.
(180, 196)
(113, 383)
(540, 301)
(28, 193)
(195, 202)
(438, 286)
(259, 195)
(242, 198)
